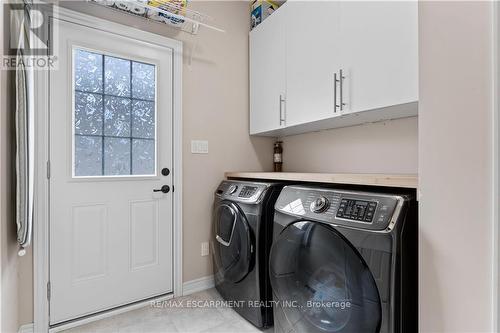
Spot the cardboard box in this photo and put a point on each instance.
(260, 10)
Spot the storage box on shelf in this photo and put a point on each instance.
(261, 10)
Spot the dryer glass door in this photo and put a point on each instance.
(233, 243)
(321, 282)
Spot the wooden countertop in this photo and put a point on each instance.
(387, 180)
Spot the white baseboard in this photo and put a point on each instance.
(196, 285)
(26, 328)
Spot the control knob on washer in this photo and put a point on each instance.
(233, 188)
(320, 205)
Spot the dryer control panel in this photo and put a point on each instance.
(357, 210)
(365, 210)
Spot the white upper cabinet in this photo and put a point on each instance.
(312, 59)
(379, 51)
(317, 65)
(267, 74)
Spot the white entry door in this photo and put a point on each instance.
(110, 147)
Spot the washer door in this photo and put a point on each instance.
(321, 282)
(233, 243)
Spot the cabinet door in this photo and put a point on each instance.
(312, 50)
(267, 74)
(379, 53)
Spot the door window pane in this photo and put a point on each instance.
(117, 76)
(143, 119)
(88, 71)
(117, 116)
(88, 113)
(114, 116)
(143, 81)
(116, 156)
(88, 151)
(143, 152)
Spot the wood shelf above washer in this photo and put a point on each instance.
(387, 180)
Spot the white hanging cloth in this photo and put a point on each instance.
(24, 126)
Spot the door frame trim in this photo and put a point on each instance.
(41, 209)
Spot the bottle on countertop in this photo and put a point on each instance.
(278, 156)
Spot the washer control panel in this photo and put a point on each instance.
(364, 210)
(248, 191)
(241, 191)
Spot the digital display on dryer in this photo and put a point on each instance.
(358, 210)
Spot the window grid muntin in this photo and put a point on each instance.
(132, 99)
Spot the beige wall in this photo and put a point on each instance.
(455, 166)
(216, 109)
(386, 147)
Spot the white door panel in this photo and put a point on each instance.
(379, 53)
(267, 74)
(144, 223)
(312, 58)
(110, 135)
(89, 225)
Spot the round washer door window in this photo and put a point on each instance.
(233, 243)
(321, 282)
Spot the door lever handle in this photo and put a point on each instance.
(164, 189)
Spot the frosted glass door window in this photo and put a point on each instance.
(114, 116)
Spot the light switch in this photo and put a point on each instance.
(199, 147)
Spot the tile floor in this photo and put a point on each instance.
(174, 318)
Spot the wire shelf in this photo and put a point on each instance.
(174, 14)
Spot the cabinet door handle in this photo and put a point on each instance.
(335, 81)
(341, 79)
(282, 111)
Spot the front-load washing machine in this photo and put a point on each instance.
(242, 235)
(344, 261)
